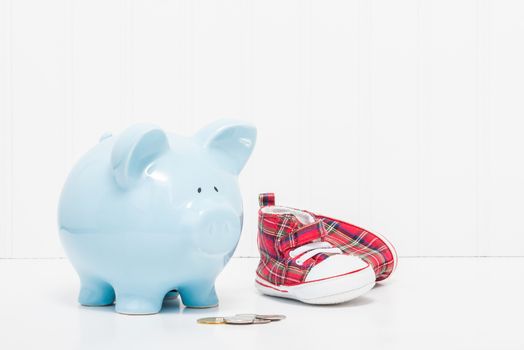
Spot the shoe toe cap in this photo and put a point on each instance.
(337, 265)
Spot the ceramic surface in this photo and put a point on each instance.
(148, 211)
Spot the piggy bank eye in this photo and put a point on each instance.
(216, 189)
(199, 190)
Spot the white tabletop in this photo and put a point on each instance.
(430, 303)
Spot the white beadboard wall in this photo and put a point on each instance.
(405, 117)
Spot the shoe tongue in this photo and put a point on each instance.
(303, 217)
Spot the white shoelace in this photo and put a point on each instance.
(311, 249)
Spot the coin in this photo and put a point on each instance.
(252, 316)
(260, 321)
(264, 317)
(211, 320)
(271, 317)
(239, 320)
(246, 316)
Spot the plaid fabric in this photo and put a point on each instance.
(354, 240)
(266, 199)
(278, 234)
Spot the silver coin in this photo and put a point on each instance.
(246, 316)
(239, 320)
(271, 317)
(252, 316)
(263, 317)
(260, 321)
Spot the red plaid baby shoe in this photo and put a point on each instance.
(317, 259)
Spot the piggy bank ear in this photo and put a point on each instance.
(230, 142)
(134, 150)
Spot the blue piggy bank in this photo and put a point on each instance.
(148, 212)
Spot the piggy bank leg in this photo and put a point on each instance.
(95, 292)
(133, 301)
(199, 295)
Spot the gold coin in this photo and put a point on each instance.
(211, 320)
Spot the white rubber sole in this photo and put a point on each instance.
(331, 290)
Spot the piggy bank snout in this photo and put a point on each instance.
(218, 230)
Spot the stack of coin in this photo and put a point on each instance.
(242, 319)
